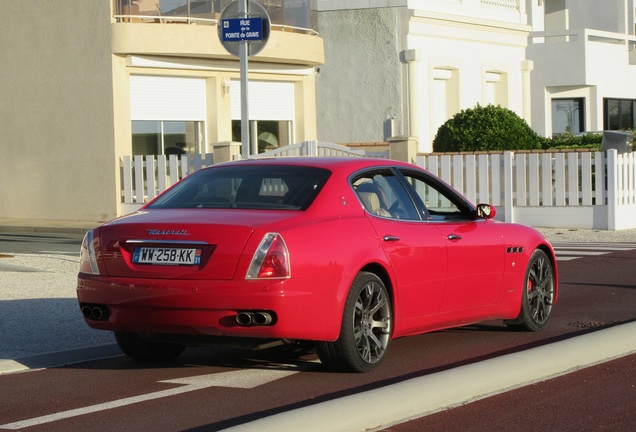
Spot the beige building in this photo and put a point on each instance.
(84, 83)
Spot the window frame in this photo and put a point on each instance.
(467, 212)
(410, 196)
(395, 188)
(580, 101)
(619, 115)
(190, 141)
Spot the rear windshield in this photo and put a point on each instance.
(250, 187)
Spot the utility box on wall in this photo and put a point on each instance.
(616, 140)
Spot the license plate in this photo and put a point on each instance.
(166, 256)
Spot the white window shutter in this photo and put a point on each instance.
(268, 100)
(167, 98)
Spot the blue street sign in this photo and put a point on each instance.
(242, 29)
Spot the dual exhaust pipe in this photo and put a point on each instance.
(95, 312)
(244, 318)
(255, 318)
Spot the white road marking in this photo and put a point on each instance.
(246, 379)
(572, 251)
(580, 252)
(560, 258)
(59, 253)
(596, 247)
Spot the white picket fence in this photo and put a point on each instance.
(318, 148)
(144, 177)
(586, 190)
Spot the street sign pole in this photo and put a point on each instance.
(244, 31)
(245, 112)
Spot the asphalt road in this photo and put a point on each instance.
(216, 389)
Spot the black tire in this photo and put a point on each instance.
(365, 333)
(538, 294)
(138, 348)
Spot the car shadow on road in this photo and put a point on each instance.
(283, 356)
(37, 331)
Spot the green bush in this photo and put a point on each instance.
(569, 141)
(486, 128)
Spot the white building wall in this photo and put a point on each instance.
(587, 14)
(451, 48)
(591, 60)
(510, 11)
(473, 52)
(382, 57)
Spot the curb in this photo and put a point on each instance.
(426, 395)
(14, 229)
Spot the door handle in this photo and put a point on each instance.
(453, 237)
(390, 238)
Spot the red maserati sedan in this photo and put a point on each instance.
(348, 253)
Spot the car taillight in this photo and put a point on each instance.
(88, 259)
(271, 259)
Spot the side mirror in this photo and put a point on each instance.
(486, 211)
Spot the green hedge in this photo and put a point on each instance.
(569, 141)
(490, 127)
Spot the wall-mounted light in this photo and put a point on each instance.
(225, 87)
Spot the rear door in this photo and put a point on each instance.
(475, 247)
(415, 249)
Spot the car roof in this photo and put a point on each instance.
(332, 163)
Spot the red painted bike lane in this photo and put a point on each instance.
(597, 398)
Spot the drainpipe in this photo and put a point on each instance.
(412, 57)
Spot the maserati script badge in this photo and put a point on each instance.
(167, 232)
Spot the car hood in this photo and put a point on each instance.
(217, 236)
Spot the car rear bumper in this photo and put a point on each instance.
(302, 309)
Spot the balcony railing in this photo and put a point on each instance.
(284, 17)
(512, 5)
(579, 43)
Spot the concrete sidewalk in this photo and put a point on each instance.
(39, 314)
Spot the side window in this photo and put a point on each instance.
(441, 203)
(382, 194)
